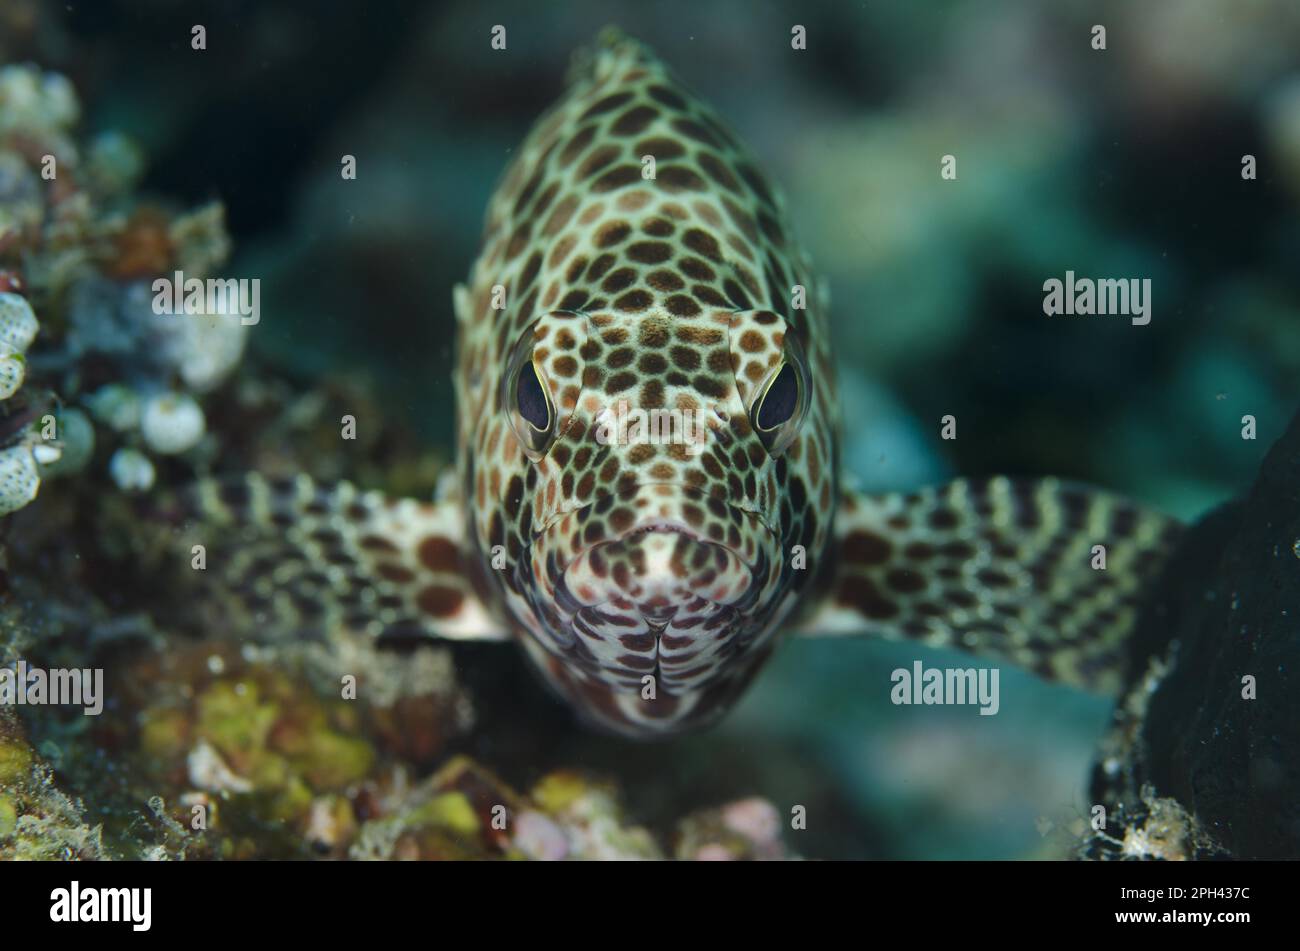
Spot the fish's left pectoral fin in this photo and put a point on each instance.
(285, 557)
(1044, 574)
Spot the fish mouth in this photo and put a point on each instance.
(634, 579)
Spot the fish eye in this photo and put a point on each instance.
(778, 402)
(782, 402)
(526, 399)
(530, 399)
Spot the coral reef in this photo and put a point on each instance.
(229, 754)
(79, 250)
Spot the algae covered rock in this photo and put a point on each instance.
(465, 811)
(37, 819)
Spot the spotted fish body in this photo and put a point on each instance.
(649, 579)
(636, 260)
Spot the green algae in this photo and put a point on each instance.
(16, 760)
(8, 817)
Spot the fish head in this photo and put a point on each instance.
(667, 524)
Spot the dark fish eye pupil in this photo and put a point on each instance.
(531, 398)
(780, 400)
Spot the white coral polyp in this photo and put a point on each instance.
(30, 99)
(207, 349)
(171, 423)
(131, 470)
(117, 405)
(18, 323)
(13, 370)
(19, 478)
(18, 328)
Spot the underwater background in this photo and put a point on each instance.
(1125, 162)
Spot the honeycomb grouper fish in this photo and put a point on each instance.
(647, 493)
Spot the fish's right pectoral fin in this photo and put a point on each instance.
(284, 557)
